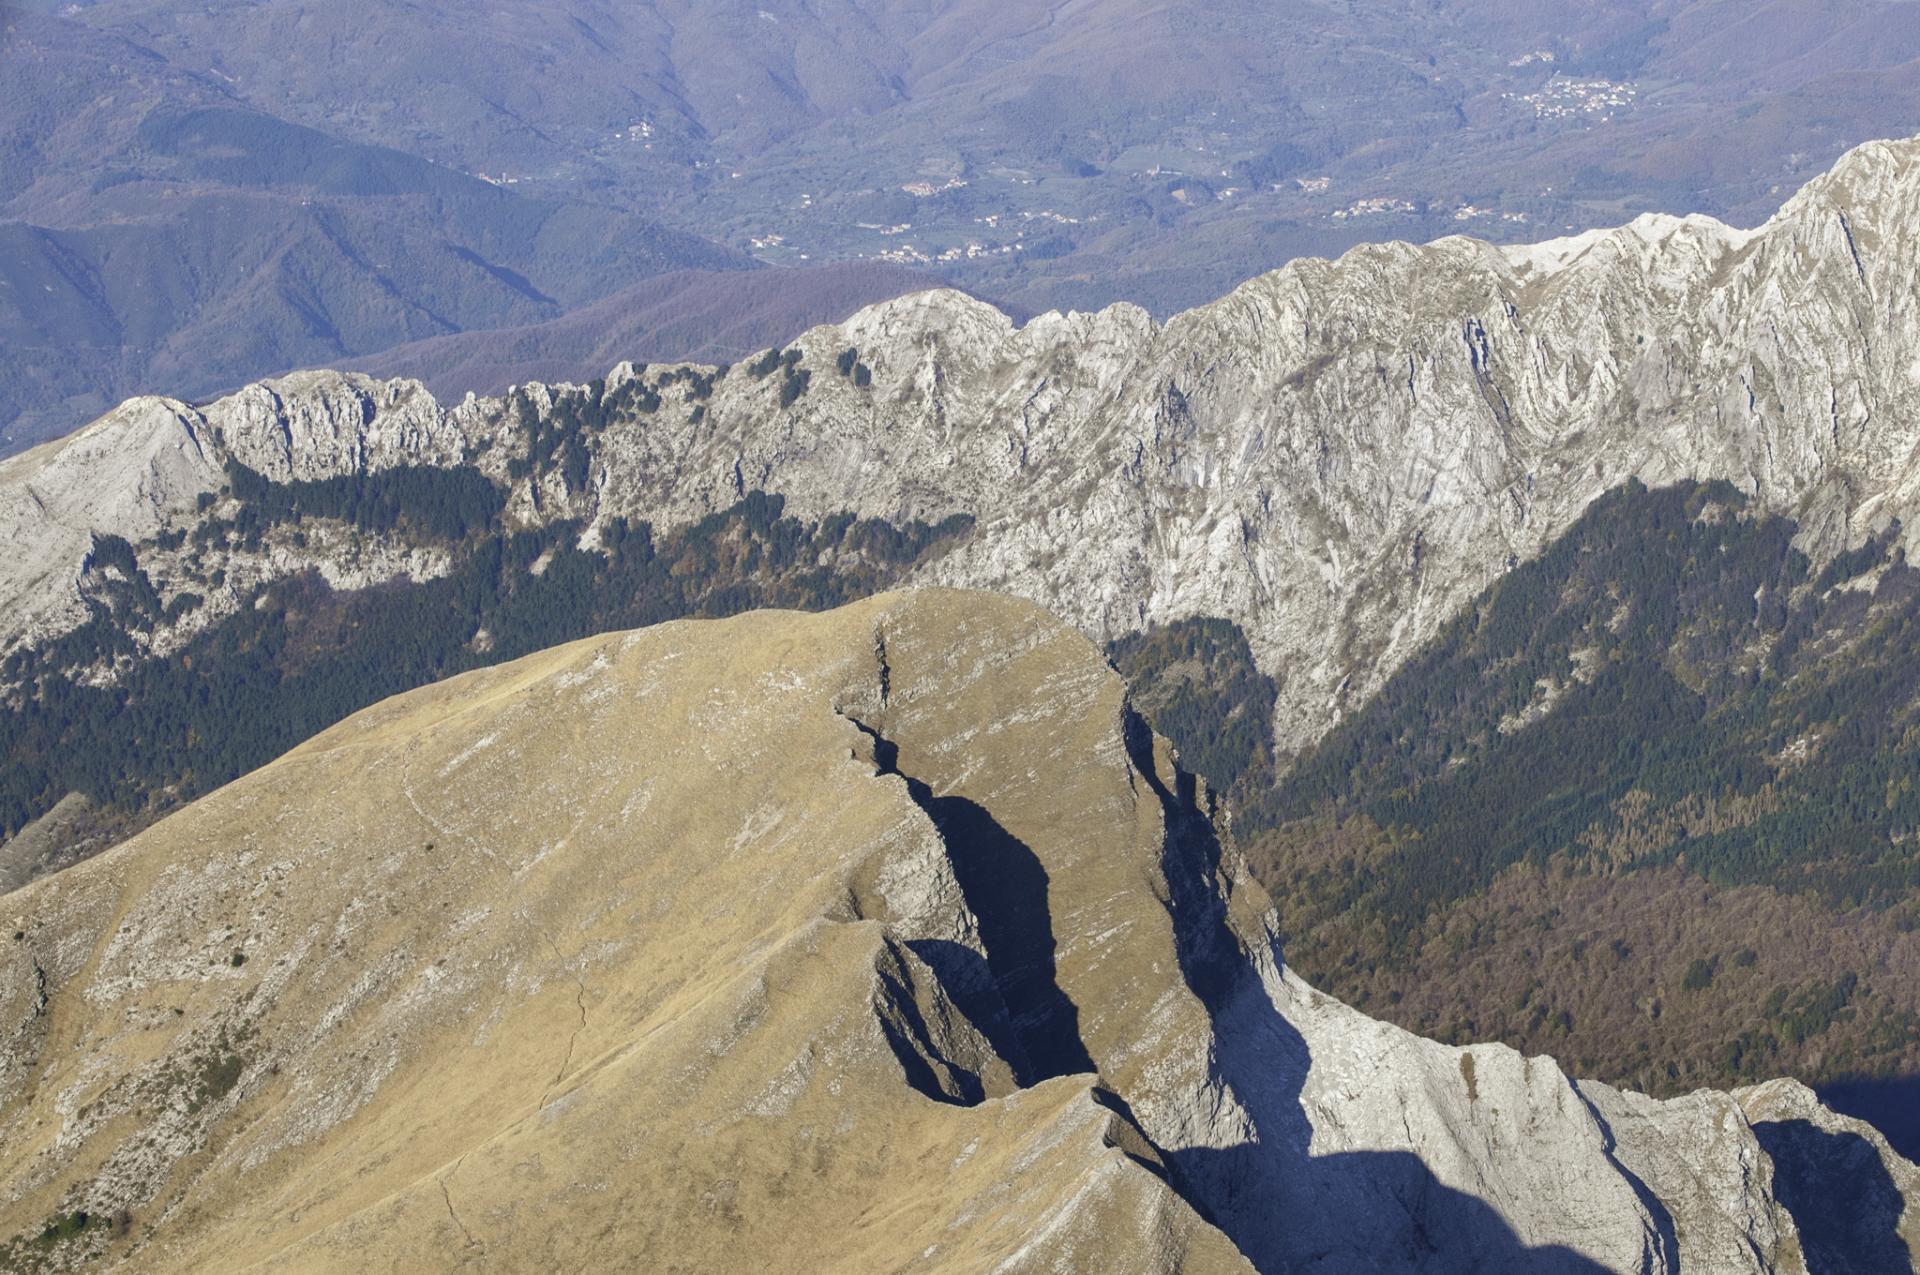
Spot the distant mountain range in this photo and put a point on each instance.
(195, 196)
(704, 316)
(162, 233)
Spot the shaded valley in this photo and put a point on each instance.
(1647, 806)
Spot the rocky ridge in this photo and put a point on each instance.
(886, 938)
(1336, 456)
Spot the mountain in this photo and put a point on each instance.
(690, 315)
(1060, 154)
(1267, 508)
(1337, 456)
(157, 233)
(887, 937)
(196, 195)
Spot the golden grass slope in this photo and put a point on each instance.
(616, 957)
(881, 940)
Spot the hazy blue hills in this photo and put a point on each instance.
(198, 194)
(166, 238)
(1155, 152)
(705, 316)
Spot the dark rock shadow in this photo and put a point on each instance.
(1840, 1196)
(968, 982)
(1287, 1209)
(1890, 1104)
(1034, 1025)
(915, 1049)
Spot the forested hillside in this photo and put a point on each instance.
(1649, 805)
(300, 656)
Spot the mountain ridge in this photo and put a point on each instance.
(888, 931)
(1334, 462)
(1334, 475)
(670, 318)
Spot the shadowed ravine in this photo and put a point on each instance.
(1005, 887)
(1251, 1190)
(1254, 1191)
(1841, 1197)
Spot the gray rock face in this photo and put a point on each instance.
(318, 424)
(1336, 456)
(130, 473)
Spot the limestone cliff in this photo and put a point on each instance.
(1336, 456)
(883, 939)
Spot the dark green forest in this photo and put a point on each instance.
(1649, 804)
(1196, 682)
(1692, 654)
(299, 656)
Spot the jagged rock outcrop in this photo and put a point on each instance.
(1336, 456)
(130, 473)
(881, 939)
(155, 464)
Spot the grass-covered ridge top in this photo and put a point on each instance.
(301, 655)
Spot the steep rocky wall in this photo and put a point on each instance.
(1336, 456)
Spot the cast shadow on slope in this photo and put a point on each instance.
(1016, 1001)
(1890, 1104)
(1840, 1196)
(1286, 1208)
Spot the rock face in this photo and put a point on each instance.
(1336, 456)
(129, 473)
(883, 939)
(145, 468)
(66, 834)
